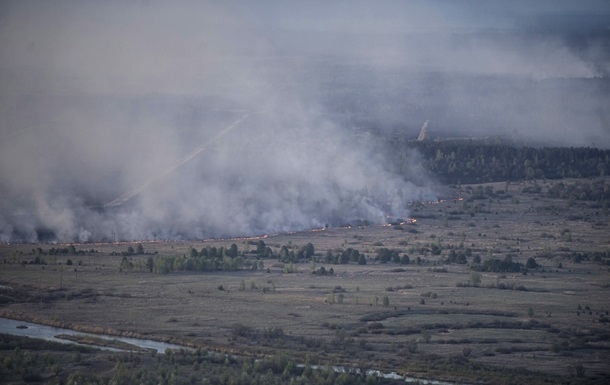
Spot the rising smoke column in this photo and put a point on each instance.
(109, 110)
(266, 173)
(273, 173)
(130, 121)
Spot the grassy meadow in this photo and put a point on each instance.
(430, 318)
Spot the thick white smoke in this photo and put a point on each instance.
(126, 93)
(274, 171)
(100, 99)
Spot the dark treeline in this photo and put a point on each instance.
(468, 161)
(232, 258)
(68, 250)
(206, 259)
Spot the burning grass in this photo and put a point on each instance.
(434, 311)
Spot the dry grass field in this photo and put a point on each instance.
(429, 318)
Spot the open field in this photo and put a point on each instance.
(434, 317)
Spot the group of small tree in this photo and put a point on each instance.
(287, 254)
(580, 191)
(139, 250)
(69, 250)
(169, 264)
(385, 255)
(322, 271)
(505, 265)
(460, 256)
(213, 252)
(345, 256)
(602, 257)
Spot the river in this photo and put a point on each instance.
(49, 333)
(28, 329)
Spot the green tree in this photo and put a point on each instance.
(475, 279)
(261, 247)
(284, 255)
(139, 249)
(126, 264)
(531, 263)
(289, 269)
(232, 252)
(386, 301)
(306, 251)
(149, 264)
(362, 259)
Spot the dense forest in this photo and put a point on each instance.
(471, 161)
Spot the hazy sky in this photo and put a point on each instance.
(99, 98)
(148, 46)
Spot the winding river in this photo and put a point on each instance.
(49, 333)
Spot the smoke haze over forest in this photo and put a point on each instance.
(230, 118)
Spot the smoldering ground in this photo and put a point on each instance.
(107, 100)
(269, 172)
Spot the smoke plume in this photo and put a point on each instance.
(190, 119)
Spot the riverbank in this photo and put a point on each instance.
(93, 329)
(101, 341)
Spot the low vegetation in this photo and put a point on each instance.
(495, 277)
